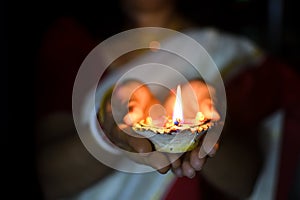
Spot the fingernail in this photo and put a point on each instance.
(202, 153)
(212, 153)
(193, 175)
(178, 172)
(215, 115)
(127, 120)
(197, 166)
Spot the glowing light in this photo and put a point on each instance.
(177, 111)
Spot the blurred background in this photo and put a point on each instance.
(272, 24)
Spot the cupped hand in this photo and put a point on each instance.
(196, 96)
(138, 100)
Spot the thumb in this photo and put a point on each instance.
(133, 116)
(208, 110)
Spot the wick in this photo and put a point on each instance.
(177, 122)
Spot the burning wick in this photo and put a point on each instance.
(177, 112)
(177, 122)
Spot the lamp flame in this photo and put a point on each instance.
(177, 111)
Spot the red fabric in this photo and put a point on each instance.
(261, 91)
(62, 51)
(257, 93)
(184, 188)
(290, 151)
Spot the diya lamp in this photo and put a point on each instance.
(176, 134)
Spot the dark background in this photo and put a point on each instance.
(272, 24)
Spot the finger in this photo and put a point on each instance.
(159, 162)
(124, 137)
(215, 116)
(140, 145)
(137, 149)
(195, 161)
(177, 171)
(187, 169)
(174, 159)
(208, 110)
(137, 143)
(211, 153)
(202, 153)
(134, 116)
(176, 163)
(214, 150)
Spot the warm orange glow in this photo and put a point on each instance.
(177, 111)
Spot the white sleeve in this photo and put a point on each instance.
(231, 53)
(93, 123)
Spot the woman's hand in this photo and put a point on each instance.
(196, 96)
(139, 103)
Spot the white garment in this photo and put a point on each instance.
(120, 185)
(227, 51)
